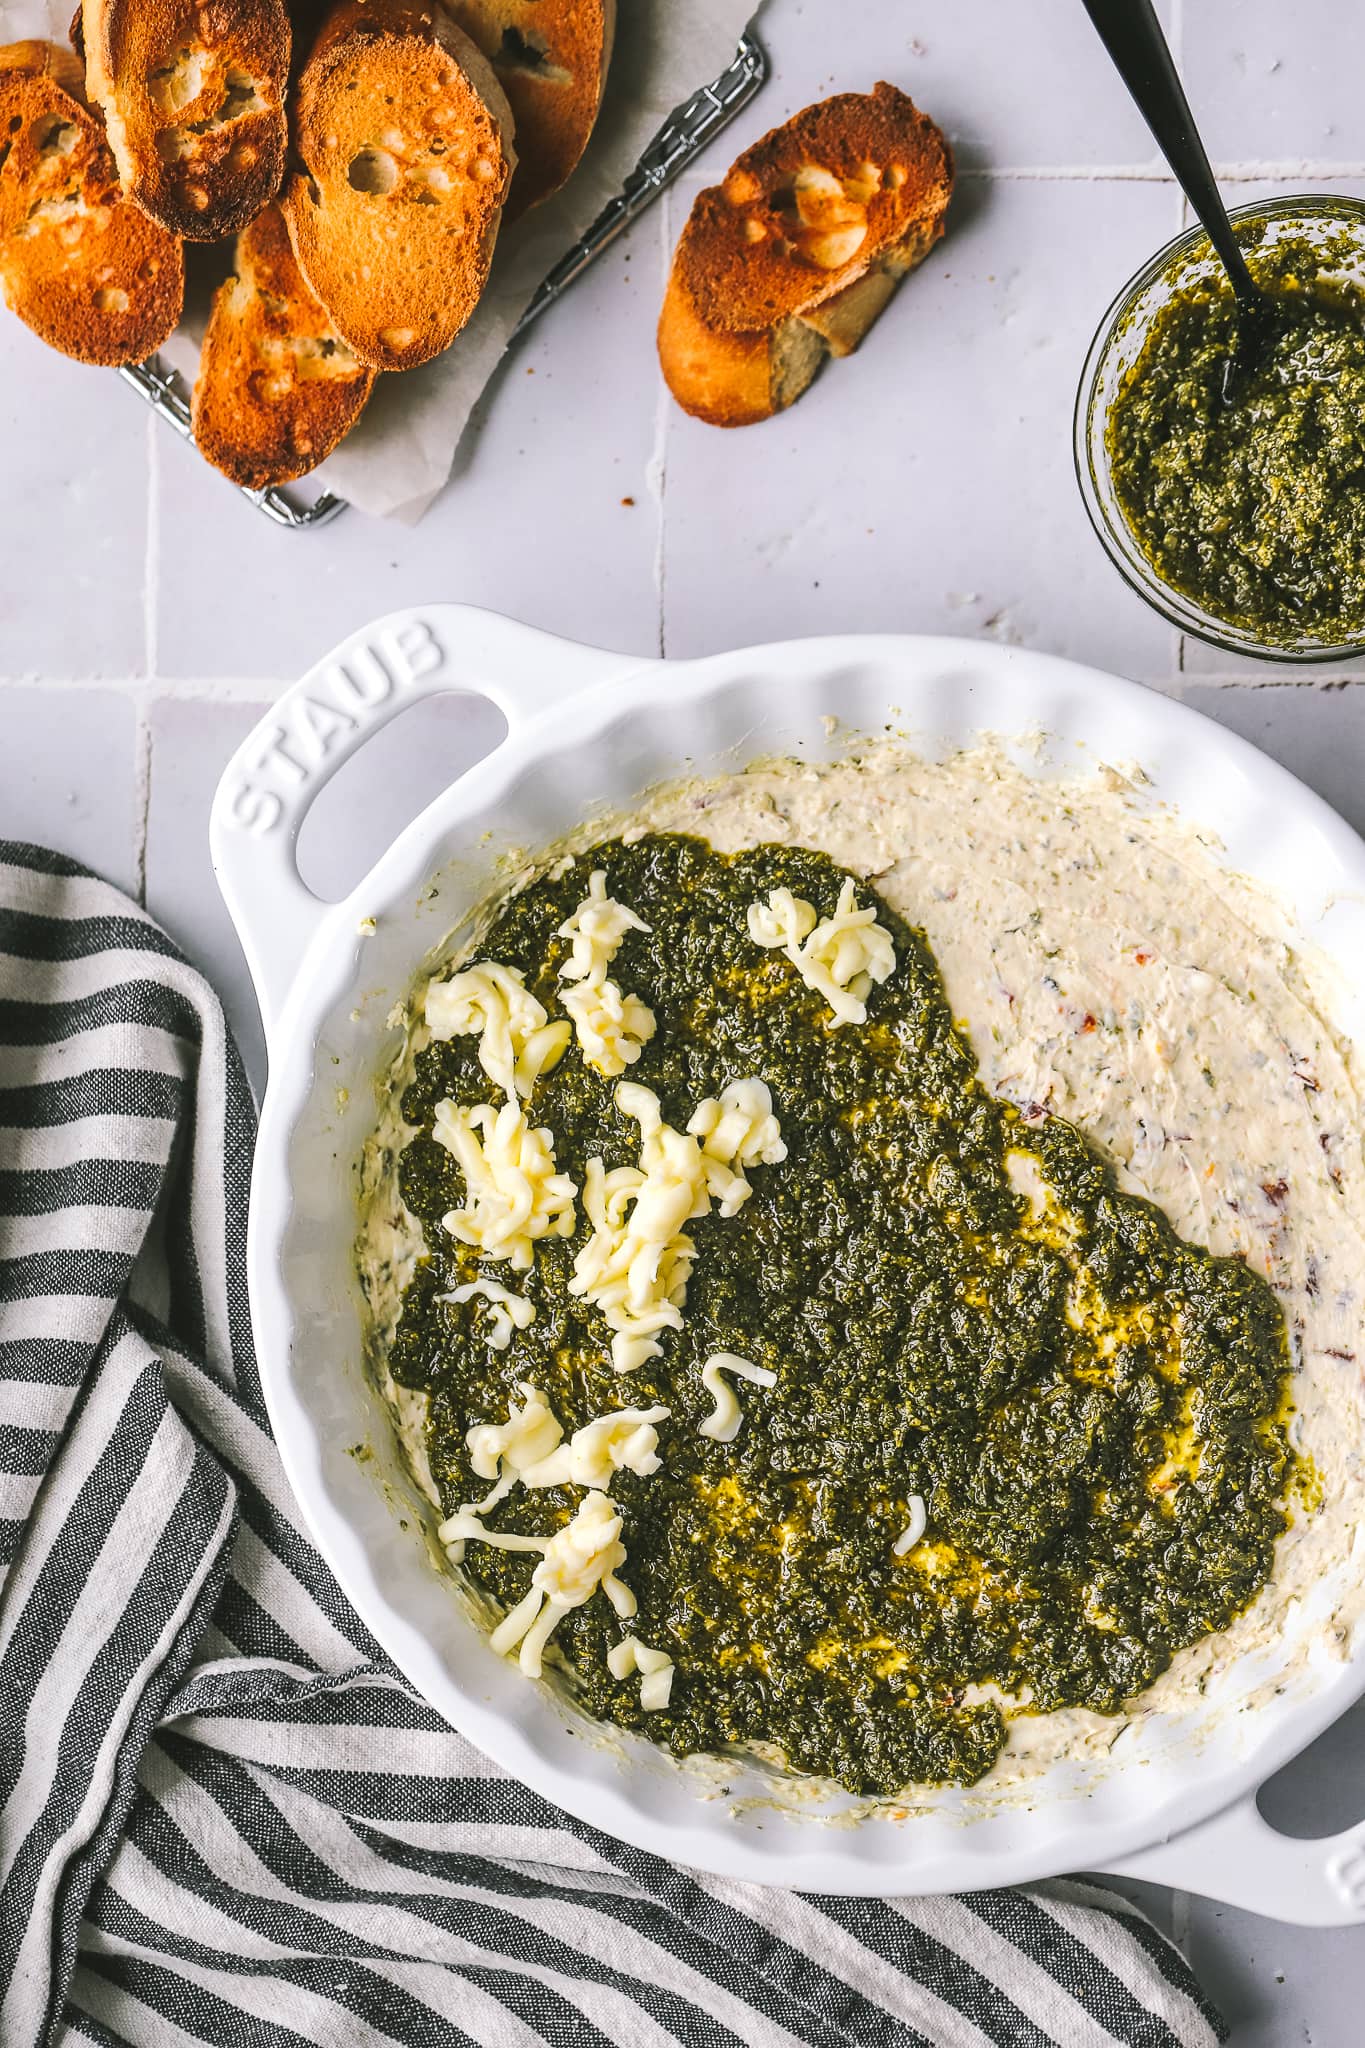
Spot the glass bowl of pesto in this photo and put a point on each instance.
(1239, 518)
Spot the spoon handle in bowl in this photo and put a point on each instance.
(1132, 35)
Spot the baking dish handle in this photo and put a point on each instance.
(270, 782)
(1239, 1858)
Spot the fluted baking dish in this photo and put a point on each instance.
(587, 728)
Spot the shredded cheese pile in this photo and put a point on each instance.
(505, 1450)
(611, 1026)
(508, 1311)
(517, 1043)
(736, 1131)
(654, 1666)
(587, 1552)
(637, 1262)
(501, 1452)
(515, 1194)
(529, 1447)
(575, 1561)
(723, 1422)
(596, 929)
(624, 1440)
(839, 958)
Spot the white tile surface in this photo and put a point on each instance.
(69, 776)
(532, 523)
(73, 486)
(926, 484)
(948, 437)
(1316, 730)
(1276, 83)
(1014, 86)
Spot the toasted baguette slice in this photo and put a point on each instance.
(551, 58)
(277, 388)
(193, 98)
(796, 254)
(405, 140)
(80, 264)
(46, 60)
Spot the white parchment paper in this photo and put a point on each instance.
(400, 454)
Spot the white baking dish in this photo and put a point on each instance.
(589, 728)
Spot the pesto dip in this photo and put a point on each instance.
(957, 1303)
(1253, 503)
(1069, 1244)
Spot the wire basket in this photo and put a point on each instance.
(683, 136)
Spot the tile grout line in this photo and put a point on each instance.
(142, 792)
(151, 568)
(1234, 171)
(656, 471)
(251, 690)
(260, 692)
(1241, 171)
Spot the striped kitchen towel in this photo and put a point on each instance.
(226, 1818)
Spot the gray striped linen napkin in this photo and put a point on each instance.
(227, 1818)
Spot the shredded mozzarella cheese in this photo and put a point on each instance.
(579, 1558)
(736, 1131)
(839, 959)
(625, 1439)
(509, 1311)
(517, 1043)
(654, 1666)
(914, 1529)
(636, 1264)
(515, 1195)
(596, 928)
(611, 1027)
(502, 1451)
(528, 1436)
(723, 1422)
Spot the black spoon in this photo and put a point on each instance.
(1132, 35)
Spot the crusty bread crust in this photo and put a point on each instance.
(46, 60)
(193, 98)
(403, 135)
(797, 253)
(277, 388)
(716, 375)
(551, 58)
(80, 264)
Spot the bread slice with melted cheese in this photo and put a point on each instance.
(794, 256)
(80, 264)
(277, 387)
(193, 94)
(404, 141)
(551, 59)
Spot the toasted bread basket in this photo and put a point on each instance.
(683, 136)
